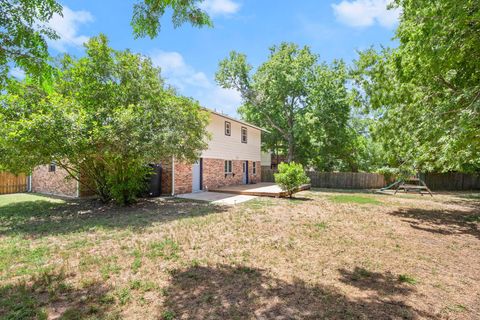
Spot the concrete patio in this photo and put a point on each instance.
(217, 198)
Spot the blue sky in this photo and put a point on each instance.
(189, 56)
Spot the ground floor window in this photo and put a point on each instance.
(52, 167)
(228, 166)
(254, 168)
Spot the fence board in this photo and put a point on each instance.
(452, 181)
(10, 183)
(339, 180)
(364, 180)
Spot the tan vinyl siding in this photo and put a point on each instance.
(231, 147)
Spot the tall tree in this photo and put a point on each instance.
(331, 144)
(426, 92)
(304, 104)
(275, 96)
(24, 31)
(104, 118)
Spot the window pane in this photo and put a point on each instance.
(244, 135)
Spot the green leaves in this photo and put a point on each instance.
(304, 104)
(106, 116)
(147, 14)
(24, 31)
(426, 93)
(23, 34)
(290, 177)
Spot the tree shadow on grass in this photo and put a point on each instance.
(51, 296)
(45, 217)
(442, 221)
(226, 292)
(384, 284)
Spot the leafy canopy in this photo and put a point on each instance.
(303, 103)
(23, 34)
(425, 94)
(105, 117)
(24, 31)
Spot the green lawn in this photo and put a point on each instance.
(349, 198)
(327, 254)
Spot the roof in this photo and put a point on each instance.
(236, 120)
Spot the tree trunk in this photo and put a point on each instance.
(291, 150)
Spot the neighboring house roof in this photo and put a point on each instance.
(233, 119)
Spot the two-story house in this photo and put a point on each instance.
(233, 156)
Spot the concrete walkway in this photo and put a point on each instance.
(263, 189)
(217, 197)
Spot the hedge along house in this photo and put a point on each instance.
(233, 157)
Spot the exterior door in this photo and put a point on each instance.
(196, 176)
(245, 172)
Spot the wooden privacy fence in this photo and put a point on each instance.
(340, 180)
(346, 180)
(10, 183)
(362, 180)
(452, 181)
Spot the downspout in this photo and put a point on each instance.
(29, 183)
(173, 176)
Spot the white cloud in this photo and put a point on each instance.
(177, 72)
(195, 83)
(17, 73)
(225, 100)
(220, 7)
(67, 27)
(365, 13)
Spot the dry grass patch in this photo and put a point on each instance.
(313, 257)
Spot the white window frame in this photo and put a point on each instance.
(244, 129)
(228, 167)
(254, 167)
(228, 128)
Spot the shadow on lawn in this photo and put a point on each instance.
(227, 292)
(384, 284)
(442, 221)
(50, 296)
(44, 217)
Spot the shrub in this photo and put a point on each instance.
(290, 177)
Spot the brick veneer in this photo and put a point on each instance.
(183, 177)
(55, 182)
(213, 175)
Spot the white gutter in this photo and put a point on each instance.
(173, 176)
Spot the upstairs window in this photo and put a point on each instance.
(244, 135)
(228, 166)
(228, 128)
(52, 167)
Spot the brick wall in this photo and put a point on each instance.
(55, 183)
(183, 177)
(213, 175)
